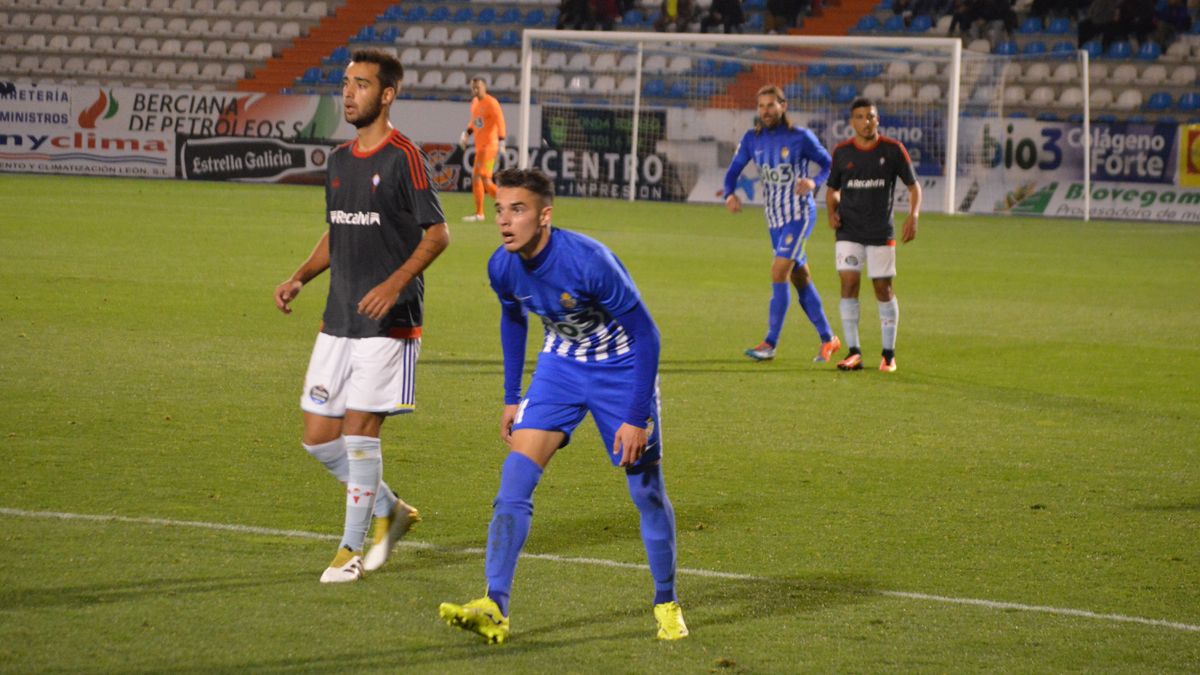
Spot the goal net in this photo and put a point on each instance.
(658, 116)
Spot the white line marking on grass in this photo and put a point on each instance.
(601, 562)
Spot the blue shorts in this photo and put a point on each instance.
(791, 240)
(563, 391)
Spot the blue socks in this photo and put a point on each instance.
(658, 528)
(778, 311)
(512, 513)
(810, 301)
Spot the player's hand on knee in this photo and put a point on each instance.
(629, 444)
(285, 293)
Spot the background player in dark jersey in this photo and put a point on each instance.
(600, 355)
(385, 227)
(859, 200)
(783, 153)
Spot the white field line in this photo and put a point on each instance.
(301, 534)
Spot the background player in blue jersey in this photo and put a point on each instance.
(600, 354)
(385, 227)
(782, 153)
(858, 200)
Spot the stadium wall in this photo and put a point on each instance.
(1140, 171)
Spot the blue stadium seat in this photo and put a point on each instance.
(1059, 26)
(1047, 117)
(866, 24)
(486, 15)
(1149, 51)
(1120, 49)
(366, 34)
(894, 24)
(440, 14)
(338, 56)
(1005, 48)
(756, 23)
(388, 35)
(654, 87)
(1075, 118)
(509, 38)
(1034, 48)
(1062, 47)
(729, 69)
(535, 17)
(706, 67)
(707, 89)
(871, 70)
(884, 5)
(510, 15)
(679, 89)
(819, 92)
(311, 76)
(463, 15)
(1094, 49)
(1032, 25)
(1019, 114)
(416, 14)
(845, 93)
(1189, 102)
(793, 90)
(334, 76)
(754, 5)
(484, 38)
(633, 18)
(818, 70)
(552, 18)
(393, 13)
(845, 70)
(1107, 118)
(920, 24)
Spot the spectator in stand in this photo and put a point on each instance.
(1135, 18)
(1170, 21)
(910, 8)
(968, 12)
(781, 15)
(572, 14)
(725, 14)
(604, 14)
(675, 16)
(1100, 21)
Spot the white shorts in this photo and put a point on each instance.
(364, 374)
(880, 260)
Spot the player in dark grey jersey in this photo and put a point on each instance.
(858, 198)
(385, 227)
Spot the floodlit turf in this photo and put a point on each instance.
(1037, 446)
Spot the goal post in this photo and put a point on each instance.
(640, 115)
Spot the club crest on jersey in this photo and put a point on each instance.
(881, 161)
(374, 182)
(318, 394)
(849, 165)
(567, 301)
(784, 152)
(788, 240)
(336, 183)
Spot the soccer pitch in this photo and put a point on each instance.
(1022, 495)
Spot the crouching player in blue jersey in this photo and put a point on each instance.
(601, 355)
(782, 153)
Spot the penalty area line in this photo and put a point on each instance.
(599, 562)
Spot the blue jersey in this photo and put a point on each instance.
(576, 285)
(782, 155)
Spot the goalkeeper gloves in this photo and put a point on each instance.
(503, 146)
(462, 140)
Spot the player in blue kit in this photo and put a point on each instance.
(600, 354)
(782, 153)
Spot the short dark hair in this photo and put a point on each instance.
(531, 179)
(861, 102)
(391, 72)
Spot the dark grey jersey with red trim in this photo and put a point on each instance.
(378, 205)
(866, 178)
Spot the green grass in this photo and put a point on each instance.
(1037, 446)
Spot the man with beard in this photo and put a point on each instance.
(385, 227)
(782, 153)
